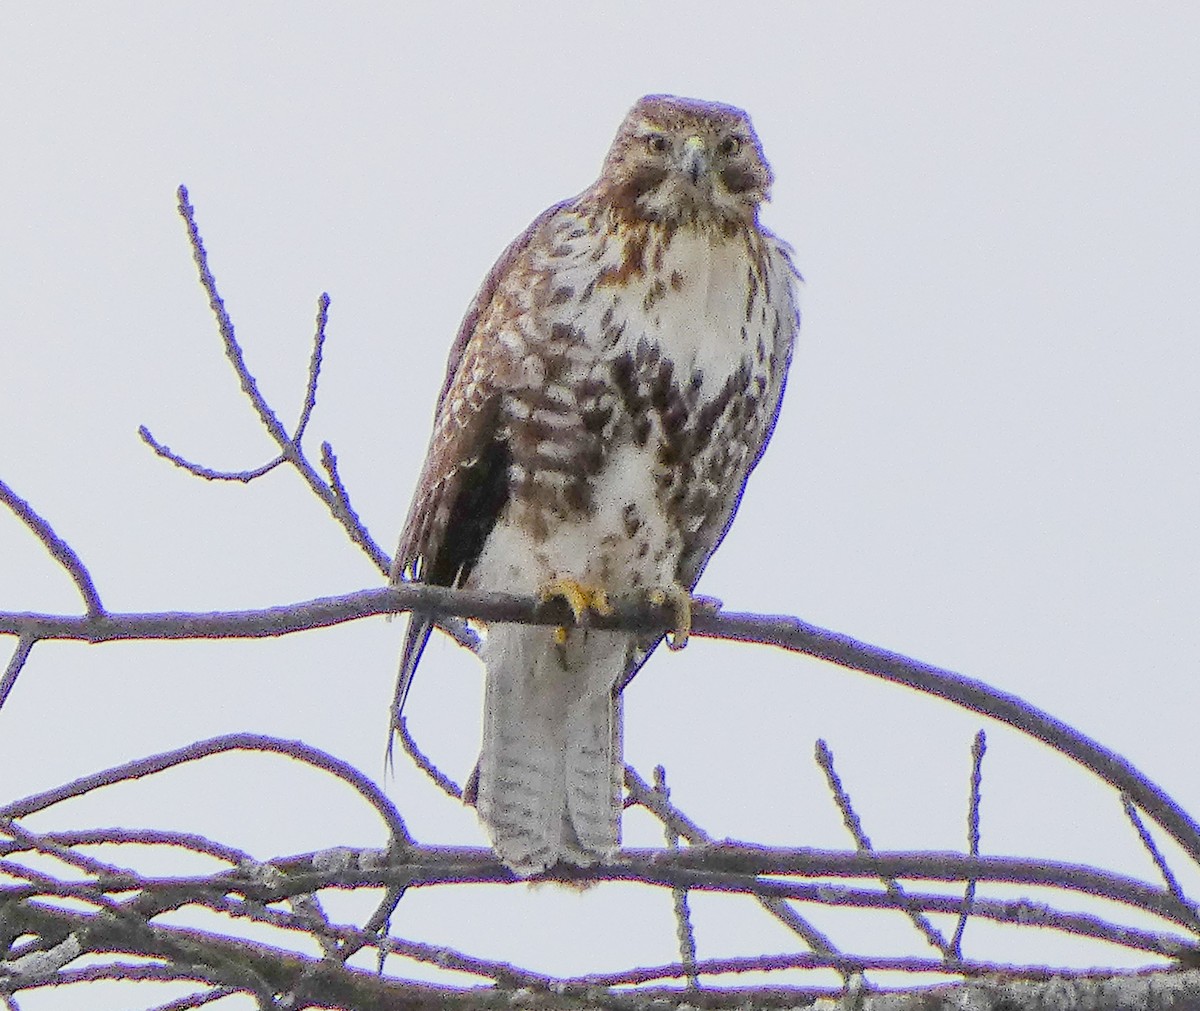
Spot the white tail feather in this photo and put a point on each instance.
(550, 767)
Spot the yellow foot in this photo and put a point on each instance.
(681, 601)
(579, 599)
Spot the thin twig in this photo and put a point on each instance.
(354, 939)
(139, 837)
(198, 469)
(314, 368)
(16, 663)
(440, 779)
(1151, 846)
(825, 760)
(684, 931)
(40, 884)
(196, 1000)
(641, 793)
(341, 497)
(60, 550)
(233, 350)
(978, 748)
(847, 964)
(297, 750)
(289, 447)
(41, 844)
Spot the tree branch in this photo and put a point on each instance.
(782, 631)
(60, 550)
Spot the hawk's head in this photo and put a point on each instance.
(683, 161)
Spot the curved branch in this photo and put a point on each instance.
(199, 470)
(783, 631)
(230, 742)
(60, 550)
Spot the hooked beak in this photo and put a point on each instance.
(694, 162)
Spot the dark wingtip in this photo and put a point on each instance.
(414, 645)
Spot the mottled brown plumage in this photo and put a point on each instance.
(611, 387)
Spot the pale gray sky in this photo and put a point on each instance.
(987, 457)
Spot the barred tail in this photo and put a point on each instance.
(550, 771)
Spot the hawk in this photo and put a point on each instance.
(611, 387)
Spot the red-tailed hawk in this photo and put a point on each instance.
(612, 386)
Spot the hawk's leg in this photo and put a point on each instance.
(580, 599)
(680, 599)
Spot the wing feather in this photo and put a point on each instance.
(464, 481)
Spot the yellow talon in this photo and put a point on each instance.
(579, 599)
(681, 602)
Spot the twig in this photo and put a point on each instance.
(338, 487)
(59, 549)
(196, 1000)
(41, 844)
(289, 446)
(354, 939)
(139, 837)
(1151, 846)
(825, 760)
(978, 748)
(684, 931)
(233, 350)
(641, 793)
(230, 742)
(314, 368)
(16, 663)
(198, 469)
(440, 779)
(40, 884)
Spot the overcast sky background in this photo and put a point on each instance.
(987, 457)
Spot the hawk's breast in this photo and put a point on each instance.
(646, 366)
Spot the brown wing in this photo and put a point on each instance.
(465, 425)
(464, 483)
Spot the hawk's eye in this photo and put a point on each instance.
(656, 142)
(729, 146)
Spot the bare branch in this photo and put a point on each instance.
(685, 932)
(289, 447)
(16, 664)
(1148, 842)
(440, 779)
(850, 817)
(978, 748)
(59, 549)
(782, 631)
(231, 742)
(199, 470)
(641, 793)
(233, 350)
(32, 841)
(196, 1000)
(314, 368)
(347, 513)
